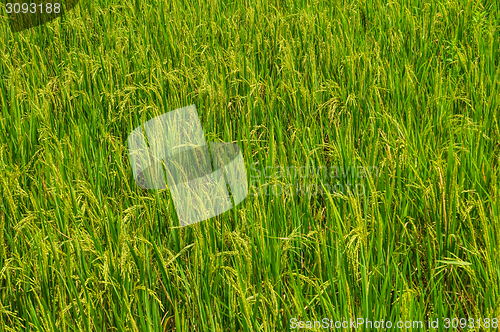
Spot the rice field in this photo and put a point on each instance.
(371, 138)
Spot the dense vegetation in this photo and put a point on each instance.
(409, 88)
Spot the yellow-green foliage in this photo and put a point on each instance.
(408, 87)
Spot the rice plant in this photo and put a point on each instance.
(407, 89)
